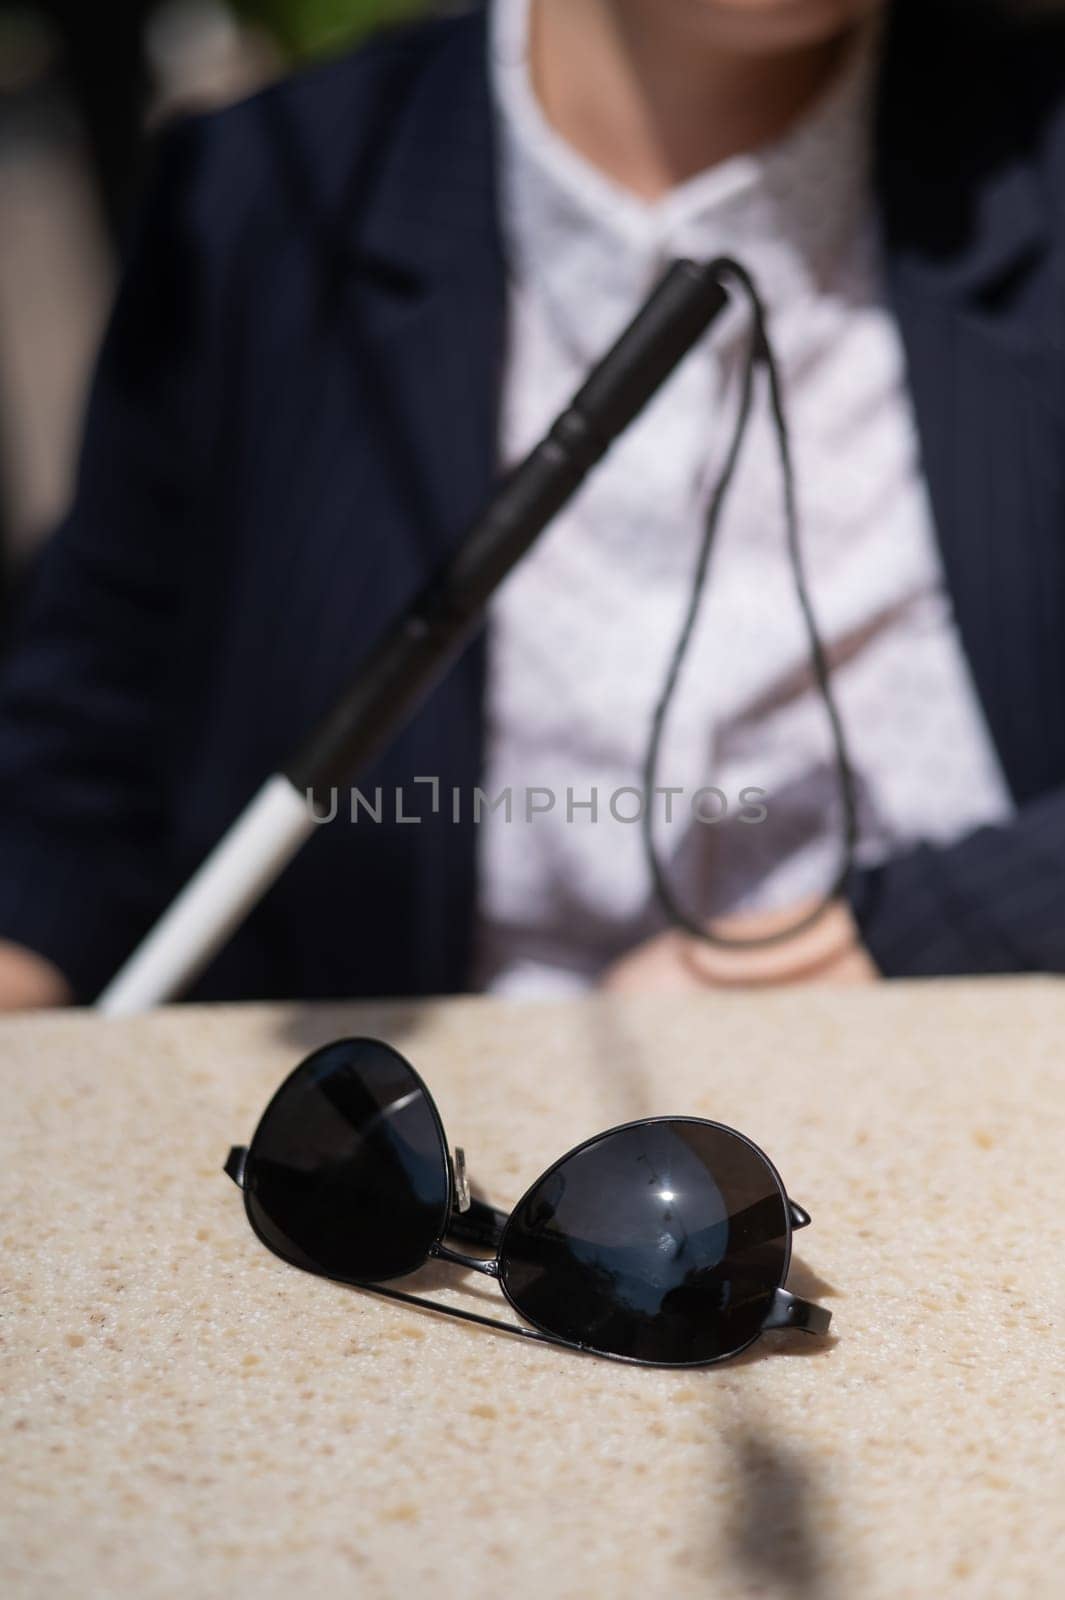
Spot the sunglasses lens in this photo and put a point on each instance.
(664, 1241)
(347, 1174)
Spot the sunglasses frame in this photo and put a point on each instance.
(481, 1224)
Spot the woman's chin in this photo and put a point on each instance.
(759, 25)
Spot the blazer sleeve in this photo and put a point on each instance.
(81, 815)
(992, 903)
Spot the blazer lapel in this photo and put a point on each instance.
(427, 290)
(425, 300)
(965, 249)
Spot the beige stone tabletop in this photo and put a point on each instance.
(185, 1415)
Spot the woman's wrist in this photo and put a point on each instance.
(829, 950)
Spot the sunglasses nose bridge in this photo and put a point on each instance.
(442, 1252)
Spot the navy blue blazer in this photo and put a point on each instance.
(294, 416)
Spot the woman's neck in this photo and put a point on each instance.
(653, 105)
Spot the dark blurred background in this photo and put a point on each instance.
(82, 88)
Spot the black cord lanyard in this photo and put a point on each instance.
(759, 355)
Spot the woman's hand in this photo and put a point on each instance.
(829, 951)
(28, 982)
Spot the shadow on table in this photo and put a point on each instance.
(772, 1538)
(308, 1028)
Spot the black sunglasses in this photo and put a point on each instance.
(665, 1241)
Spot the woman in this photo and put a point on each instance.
(356, 297)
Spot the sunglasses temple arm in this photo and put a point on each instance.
(788, 1311)
(236, 1161)
(472, 1316)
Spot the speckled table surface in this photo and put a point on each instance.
(183, 1414)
